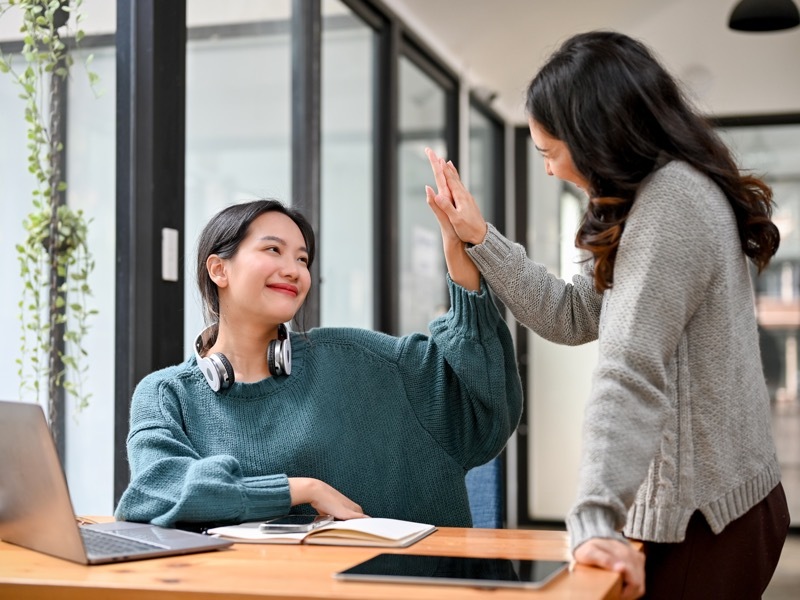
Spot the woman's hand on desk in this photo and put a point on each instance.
(618, 556)
(325, 499)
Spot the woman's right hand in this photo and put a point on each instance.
(325, 499)
(618, 556)
(459, 205)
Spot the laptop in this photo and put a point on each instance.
(36, 510)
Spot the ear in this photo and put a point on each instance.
(216, 270)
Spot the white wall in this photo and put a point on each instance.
(499, 46)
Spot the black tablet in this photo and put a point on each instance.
(455, 570)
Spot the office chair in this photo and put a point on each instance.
(485, 492)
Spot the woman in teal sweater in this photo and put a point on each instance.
(342, 421)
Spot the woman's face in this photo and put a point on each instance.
(268, 277)
(557, 157)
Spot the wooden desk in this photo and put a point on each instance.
(250, 571)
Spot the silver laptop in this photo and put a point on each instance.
(36, 510)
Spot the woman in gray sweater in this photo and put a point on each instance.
(677, 444)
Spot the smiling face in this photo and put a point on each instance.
(557, 157)
(268, 279)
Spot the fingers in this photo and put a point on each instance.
(618, 556)
(444, 173)
(455, 202)
(453, 179)
(439, 206)
(333, 502)
(451, 169)
(353, 511)
(437, 166)
(325, 499)
(430, 198)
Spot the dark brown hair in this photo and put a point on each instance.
(222, 236)
(620, 113)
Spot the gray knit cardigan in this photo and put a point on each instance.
(678, 418)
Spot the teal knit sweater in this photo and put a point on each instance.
(392, 423)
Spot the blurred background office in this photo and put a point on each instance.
(328, 104)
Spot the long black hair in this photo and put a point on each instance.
(223, 234)
(620, 113)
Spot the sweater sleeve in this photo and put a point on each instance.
(664, 267)
(171, 483)
(564, 313)
(462, 381)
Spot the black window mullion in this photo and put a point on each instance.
(385, 204)
(521, 145)
(306, 43)
(150, 180)
(498, 158)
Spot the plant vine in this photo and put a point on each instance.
(54, 258)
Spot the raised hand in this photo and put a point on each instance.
(461, 268)
(456, 202)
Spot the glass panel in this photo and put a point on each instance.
(559, 377)
(91, 169)
(238, 146)
(17, 184)
(423, 292)
(345, 251)
(485, 142)
(90, 158)
(774, 151)
(570, 213)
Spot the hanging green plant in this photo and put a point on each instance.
(54, 258)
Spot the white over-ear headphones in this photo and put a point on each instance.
(218, 371)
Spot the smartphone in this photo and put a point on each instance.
(295, 523)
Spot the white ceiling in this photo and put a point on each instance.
(497, 45)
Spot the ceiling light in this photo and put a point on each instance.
(764, 15)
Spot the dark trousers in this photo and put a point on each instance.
(737, 563)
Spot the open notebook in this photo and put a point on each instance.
(36, 511)
(386, 533)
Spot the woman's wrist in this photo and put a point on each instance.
(479, 236)
(301, 490)
(461, 268)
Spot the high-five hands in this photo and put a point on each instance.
(461, 268)
(455, 202)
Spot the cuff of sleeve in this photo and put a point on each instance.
(494, 249)
(266, 496)
(591, 522)
(468, 309)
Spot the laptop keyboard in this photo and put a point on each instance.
(104, 544)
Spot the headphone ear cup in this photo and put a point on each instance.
(276, 358)
(229, 377)
(217, 370)
(273, 368)
(279, 357)
(286, 355)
